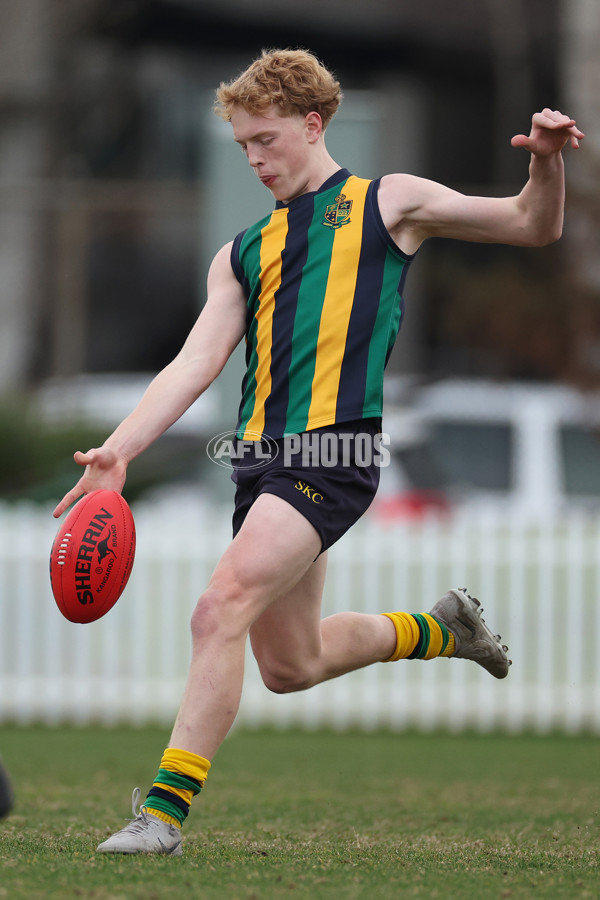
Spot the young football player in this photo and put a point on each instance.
(315, 288)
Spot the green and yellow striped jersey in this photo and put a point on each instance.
(324, 284)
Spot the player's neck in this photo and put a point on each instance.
(318, 175)
(325, 167)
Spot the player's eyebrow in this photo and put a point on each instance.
(254, 137)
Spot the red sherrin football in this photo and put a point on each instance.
(92, 556)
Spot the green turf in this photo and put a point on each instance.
(319, 816)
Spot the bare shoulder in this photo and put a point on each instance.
(399, 181)
(222, 260)
(401, 197)
(220, 274)
(403, 193)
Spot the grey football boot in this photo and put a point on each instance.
(461, 614)
(145, 834)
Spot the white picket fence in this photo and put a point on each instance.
(539, 585)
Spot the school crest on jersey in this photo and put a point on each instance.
(338, 213)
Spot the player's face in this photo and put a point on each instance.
(279, 150)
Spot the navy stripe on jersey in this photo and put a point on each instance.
(401, 304)
(235, 262)
(353, 376)
(239, 273)
(293, 259)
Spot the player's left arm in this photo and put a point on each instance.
(414, 209)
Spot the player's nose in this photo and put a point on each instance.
(254, 156)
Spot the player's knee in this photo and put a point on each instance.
(286, 679)
(218, 613)
(205, 620)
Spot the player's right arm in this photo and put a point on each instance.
(210, 343)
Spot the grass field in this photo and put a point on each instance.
(320, 816)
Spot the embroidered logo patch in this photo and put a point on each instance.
(338, 213)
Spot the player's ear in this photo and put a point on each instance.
(314, 126)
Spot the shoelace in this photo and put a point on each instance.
(139, 820)
(135, 802)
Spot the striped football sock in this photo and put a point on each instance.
(180, 777)
(420, 636)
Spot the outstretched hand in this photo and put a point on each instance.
(103, 470)
(550, 132)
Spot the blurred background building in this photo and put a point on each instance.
(117, 183)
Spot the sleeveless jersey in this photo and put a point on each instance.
(323, 281)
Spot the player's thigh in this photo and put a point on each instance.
(273, 550)
(289, 630)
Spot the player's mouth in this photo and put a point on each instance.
(268, 180)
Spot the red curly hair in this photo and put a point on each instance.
(293, 80)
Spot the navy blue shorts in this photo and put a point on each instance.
(330, 475)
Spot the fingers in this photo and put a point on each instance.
(85, 459)
(82, 459)
(554, 119)
(103, 469)
(74, 494)
(550, 131)
(520, 140)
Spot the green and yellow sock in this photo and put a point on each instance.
(180, 777)
(420, 636)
